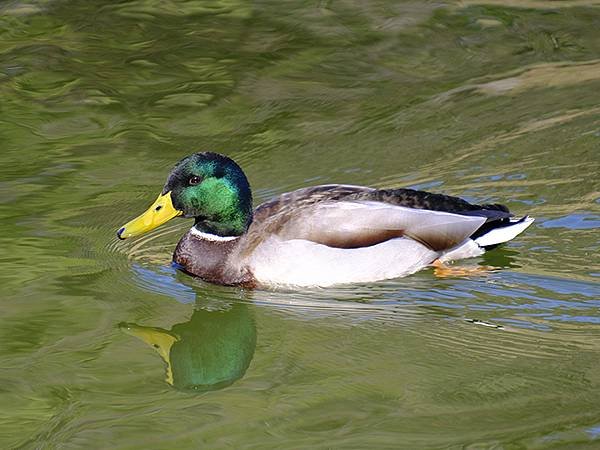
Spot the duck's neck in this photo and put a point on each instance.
(226, 216)
(228, 228)
(207, 256)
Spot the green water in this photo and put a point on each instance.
(494, 101)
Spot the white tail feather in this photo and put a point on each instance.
(466, 249)
(504, 234)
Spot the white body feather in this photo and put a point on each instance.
(467, 249)
(300, 262)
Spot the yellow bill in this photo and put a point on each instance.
(159, 339)
(160, 211)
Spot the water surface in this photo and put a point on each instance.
(102, 343)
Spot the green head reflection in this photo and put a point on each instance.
(210, 351)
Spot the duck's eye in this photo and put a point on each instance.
(195, 180)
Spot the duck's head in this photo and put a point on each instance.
(210, 187)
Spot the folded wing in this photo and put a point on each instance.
(355, 224)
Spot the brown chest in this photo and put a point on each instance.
(210, 260)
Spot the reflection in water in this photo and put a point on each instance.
(210, 351)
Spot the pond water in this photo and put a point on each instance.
(101, 341)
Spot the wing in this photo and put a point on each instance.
(356, 224)
(345, 216)
(408, 198)
(271, 217)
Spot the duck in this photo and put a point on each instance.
(316, 236)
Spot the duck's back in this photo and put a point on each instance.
(409, 198)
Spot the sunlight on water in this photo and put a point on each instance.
(104, 343)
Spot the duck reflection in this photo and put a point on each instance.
(210, 351)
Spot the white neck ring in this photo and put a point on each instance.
(211, 237)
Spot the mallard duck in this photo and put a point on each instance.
(315, 236)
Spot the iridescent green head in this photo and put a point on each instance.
(210, 187)
(213, 189)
